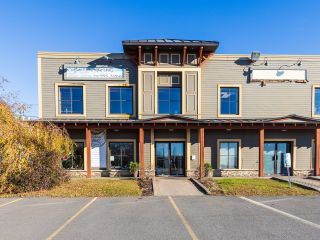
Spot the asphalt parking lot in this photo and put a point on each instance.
(197, 217)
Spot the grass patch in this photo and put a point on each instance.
(260, 187)
(88, 188)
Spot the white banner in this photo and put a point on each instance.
(93, 73)
(98, 150)
(280, 74)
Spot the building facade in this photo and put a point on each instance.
(173, 105)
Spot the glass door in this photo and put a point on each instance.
(170, 158)
(162, 159)
(177, 158)
(274, 157)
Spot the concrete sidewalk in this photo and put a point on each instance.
(175, 186)
(304, 182)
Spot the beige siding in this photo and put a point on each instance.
(51, 73)
(194, 140)
(147, 149)
(272, 100)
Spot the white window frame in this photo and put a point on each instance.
(239, 86)
(168, 57)
(175, 75)
(144, 58)
(172, 54)
(194, 58)
(239, 153)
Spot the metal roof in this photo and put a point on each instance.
(170, 41)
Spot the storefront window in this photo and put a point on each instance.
(71, 100)
(317, 101)
(121, 154)
(228, 155)
(76, 161)
(121, 100)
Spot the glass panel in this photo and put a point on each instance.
(164, 58)
(169, 100)
(177, 159)
(269, 158)
(162, 159)
(76, 161)
(121, 100)
(317, 101)
(71, 100)
(282, 149)
(121, 154)
(228, 155)
(229, 100)
(175, 58)
(191, 58)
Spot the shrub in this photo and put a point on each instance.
(134, 167)
(207, 169)
(31, 154)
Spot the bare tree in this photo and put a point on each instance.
(11, 99)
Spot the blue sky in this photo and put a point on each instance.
(26, 27)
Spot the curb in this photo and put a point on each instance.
(201, 186)
(313, 178)
(298, 184)
(153, 186)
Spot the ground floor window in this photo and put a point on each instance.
(228, 154)
(76, 161)
(121, 154)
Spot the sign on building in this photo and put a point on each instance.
(296, 75)
(98, 150)
(74, 72)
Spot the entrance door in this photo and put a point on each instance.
(170, 158)
(274, 156)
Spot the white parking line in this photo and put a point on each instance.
(55, 233)
(5, 204)
(183, 220)
(275, 200)
(282, 213)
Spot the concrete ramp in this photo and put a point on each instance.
(175, 186)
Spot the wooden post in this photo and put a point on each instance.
(141, 153)
(156, 55)
(184, 54)
(317, 158)
(139, 55)
(201, 138)
(88, 146)
(200, 56)
(261, 152)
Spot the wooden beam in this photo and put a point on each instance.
(200, 56)
(141, 153)
(156, 55)
(261, 152)
(317, 158)
(139, 55)
(184, 54)
(88, 147)
(201, 138)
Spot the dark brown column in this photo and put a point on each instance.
(156, 55)
(184, 54)
(201, 138)
(141, 153)
(88, 145)
(200, 56)
(139, 56)
(261, 152)
(317, 160)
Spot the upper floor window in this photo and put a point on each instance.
(228, 154)
(164, 58)
(169, 100)
(147, 58)
(121, 100)
(175, 58)
(229, 101)
(71, 100)
(192, 59)
(316, 101)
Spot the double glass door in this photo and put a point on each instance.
(170, 158)
(274, 157)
